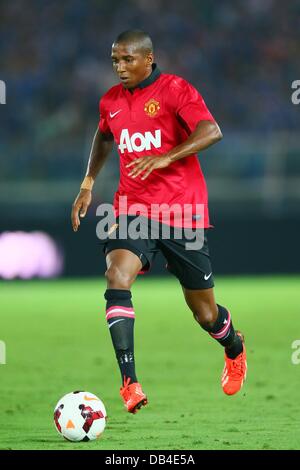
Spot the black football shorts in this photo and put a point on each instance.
(187, 258)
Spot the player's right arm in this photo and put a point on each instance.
(101, 147)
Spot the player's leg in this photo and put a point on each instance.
(213, 318)
(194, 271)
(122, 269)
(216, 320)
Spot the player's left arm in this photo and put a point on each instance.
(205, 134)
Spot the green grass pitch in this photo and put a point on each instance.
(57, 341)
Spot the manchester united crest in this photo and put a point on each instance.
(152, 107)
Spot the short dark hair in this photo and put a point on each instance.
(140, 38)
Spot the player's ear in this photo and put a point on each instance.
(150, 58)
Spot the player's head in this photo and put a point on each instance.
(132, 57)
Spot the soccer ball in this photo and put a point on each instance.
(80, 416)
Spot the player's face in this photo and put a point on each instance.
(131, 65)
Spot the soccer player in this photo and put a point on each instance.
(159, 122)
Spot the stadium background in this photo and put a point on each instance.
(55, 60)
(243, 57)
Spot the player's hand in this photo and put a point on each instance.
(80, 207)
(147, 165)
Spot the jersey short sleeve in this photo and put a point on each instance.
(103, 124)
(190, 106)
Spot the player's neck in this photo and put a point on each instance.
(145, 78)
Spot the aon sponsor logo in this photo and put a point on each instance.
(138, 142)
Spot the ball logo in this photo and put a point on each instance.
(70, 424)
(152, 107)
(87, 398)
(139, 142)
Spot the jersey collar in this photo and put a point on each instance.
(152, 77)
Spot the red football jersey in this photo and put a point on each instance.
(159, 114)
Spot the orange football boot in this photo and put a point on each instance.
(235, 371)
(133, 396)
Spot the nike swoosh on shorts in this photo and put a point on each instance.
(207, 277)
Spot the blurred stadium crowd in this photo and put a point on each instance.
(55, 59)
(243, 56)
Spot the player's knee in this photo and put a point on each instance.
(117, 278)
(206, 318)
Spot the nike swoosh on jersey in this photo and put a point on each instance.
(112, 115)
(207, 277)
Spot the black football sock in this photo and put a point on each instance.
(120, 319)
(225, 334)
